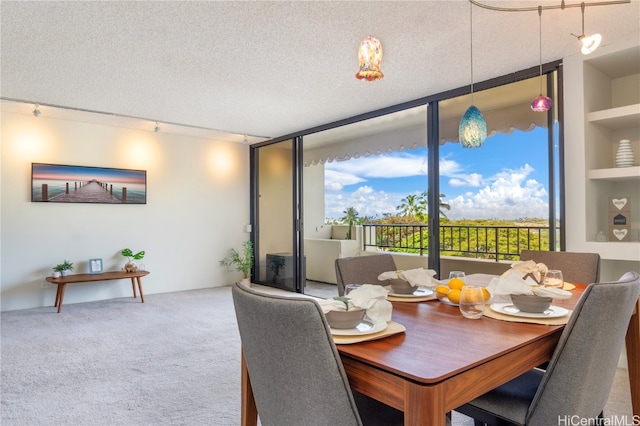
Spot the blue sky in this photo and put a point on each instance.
(506, 179)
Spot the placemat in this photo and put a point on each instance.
(545, 321)
(392, 328)
(391, 298)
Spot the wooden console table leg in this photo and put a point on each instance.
(61, 288)
(139, 288)
(57, 296)
(133, 286)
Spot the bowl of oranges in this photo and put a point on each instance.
(449, 293)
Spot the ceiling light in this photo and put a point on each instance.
(472, 130)
(541, 103)
(36, 111)
(157, 128)
(370, 58)
(589, 43)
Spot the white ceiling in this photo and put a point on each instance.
(223, 69)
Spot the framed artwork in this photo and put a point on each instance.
(55, 183)
(95, 266)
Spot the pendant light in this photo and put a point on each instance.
(541, 103)
(589, 43)
(472, 130)
(370, 58)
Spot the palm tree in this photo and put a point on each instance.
(350, 217)
(413, 205)
(442, 205)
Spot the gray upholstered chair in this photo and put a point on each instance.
(295, 370)
(576, 267)
(362, 270)
(581, 371)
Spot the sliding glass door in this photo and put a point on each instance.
(277, 214)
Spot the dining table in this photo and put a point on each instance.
(443, 360)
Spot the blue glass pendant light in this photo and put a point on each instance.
(472, 130)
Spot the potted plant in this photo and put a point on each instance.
(275, 264)
(242, 262)
(131, 266)
(62, 269)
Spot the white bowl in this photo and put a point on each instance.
(345, 319)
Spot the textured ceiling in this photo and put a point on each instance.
(268, 69)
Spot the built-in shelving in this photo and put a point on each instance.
(617, 174)
(625, 117)
(602, 106)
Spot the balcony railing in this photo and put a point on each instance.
(482, 242)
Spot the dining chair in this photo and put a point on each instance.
(362, 270)
(580, 373)
(295, 370)
(576, 267)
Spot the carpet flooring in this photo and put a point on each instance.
(174, 360)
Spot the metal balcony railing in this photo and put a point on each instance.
(481, 242)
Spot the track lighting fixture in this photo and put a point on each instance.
(589, 43)
(157, 128)
(36, 111)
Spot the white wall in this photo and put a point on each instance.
(197, 208)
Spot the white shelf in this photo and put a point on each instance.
(617, 174)
(624, 117)
(612, 250)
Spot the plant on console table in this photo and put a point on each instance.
(62, 269)
(242, 262)
(131, 265)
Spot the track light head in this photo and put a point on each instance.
(157, 128)
(36, 111)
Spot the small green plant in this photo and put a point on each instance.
(344, 300)
(131, 256)
(59, 267)
(240, 262)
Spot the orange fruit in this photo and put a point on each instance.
(485, 294)
(456, 284)
(454, 295)
(442, 290)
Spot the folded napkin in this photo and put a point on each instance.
(526, 267)
(555, 293)
(512, 283)
(415, 277)
(372, 298)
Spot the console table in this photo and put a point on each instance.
(105, 276)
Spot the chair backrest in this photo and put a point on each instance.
(296, 373)
(362, 270)
(581, 371)
(576, 267)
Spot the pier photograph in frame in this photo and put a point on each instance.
(56, 183)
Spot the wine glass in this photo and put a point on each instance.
(457, 274)
(350, 287)
(553, 279)
(471, 302)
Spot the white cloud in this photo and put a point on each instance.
(509, 196)
(365, 200)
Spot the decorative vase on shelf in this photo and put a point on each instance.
(624, 155)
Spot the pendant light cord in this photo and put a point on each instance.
(540, 19)
(471, 44)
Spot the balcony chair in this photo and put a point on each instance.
(580, 374)
(576, 267)
(295, 370)
(362, 270)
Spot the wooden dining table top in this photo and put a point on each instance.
(439, 342)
